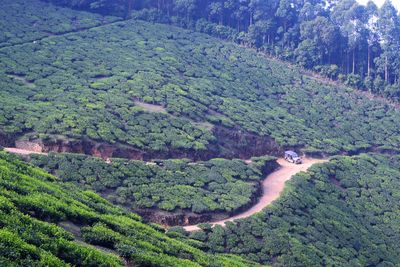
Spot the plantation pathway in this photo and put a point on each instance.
(272, 186)
(61, 34)
(19, 151)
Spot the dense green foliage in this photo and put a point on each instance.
(33, 202)
(341, 39)
(22, 22)
(215, 185)
(342, 213)
(83, 84)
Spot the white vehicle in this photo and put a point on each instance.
(292, 157)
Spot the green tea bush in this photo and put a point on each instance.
(214, 185)
(23, 22)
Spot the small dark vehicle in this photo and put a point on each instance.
(292, 157)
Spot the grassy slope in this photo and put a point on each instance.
(83, 84)
(342, 213)
(33, 202)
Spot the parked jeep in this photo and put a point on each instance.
(292, 157)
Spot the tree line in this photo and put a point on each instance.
(341, 39)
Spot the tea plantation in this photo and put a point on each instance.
(85, 84)
(37, 214)
(72, 75)
(215, 185)
(342, 213)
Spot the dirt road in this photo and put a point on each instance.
(22, 151)
(272, 186)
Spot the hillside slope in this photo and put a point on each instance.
(143, 91)
(207, 98)
(46, 223)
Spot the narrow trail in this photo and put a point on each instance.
(60, 34)
(19, 151)
(272, 187)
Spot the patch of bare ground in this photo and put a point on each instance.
(72, 228)
(22, 79)
(150, 107)
(22, 151)
(161, 109)
(204, 125)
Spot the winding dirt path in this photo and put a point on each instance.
(272, 186)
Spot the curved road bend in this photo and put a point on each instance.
(272, 186)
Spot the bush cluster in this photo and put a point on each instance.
(214, 185)
(23, 22)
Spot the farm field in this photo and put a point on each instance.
(272, 187)
(342, 213)
(23, 23)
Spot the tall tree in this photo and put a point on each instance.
(389, 37)
(319, 34)
(186, 8)
(216, 9)
(372, 33)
